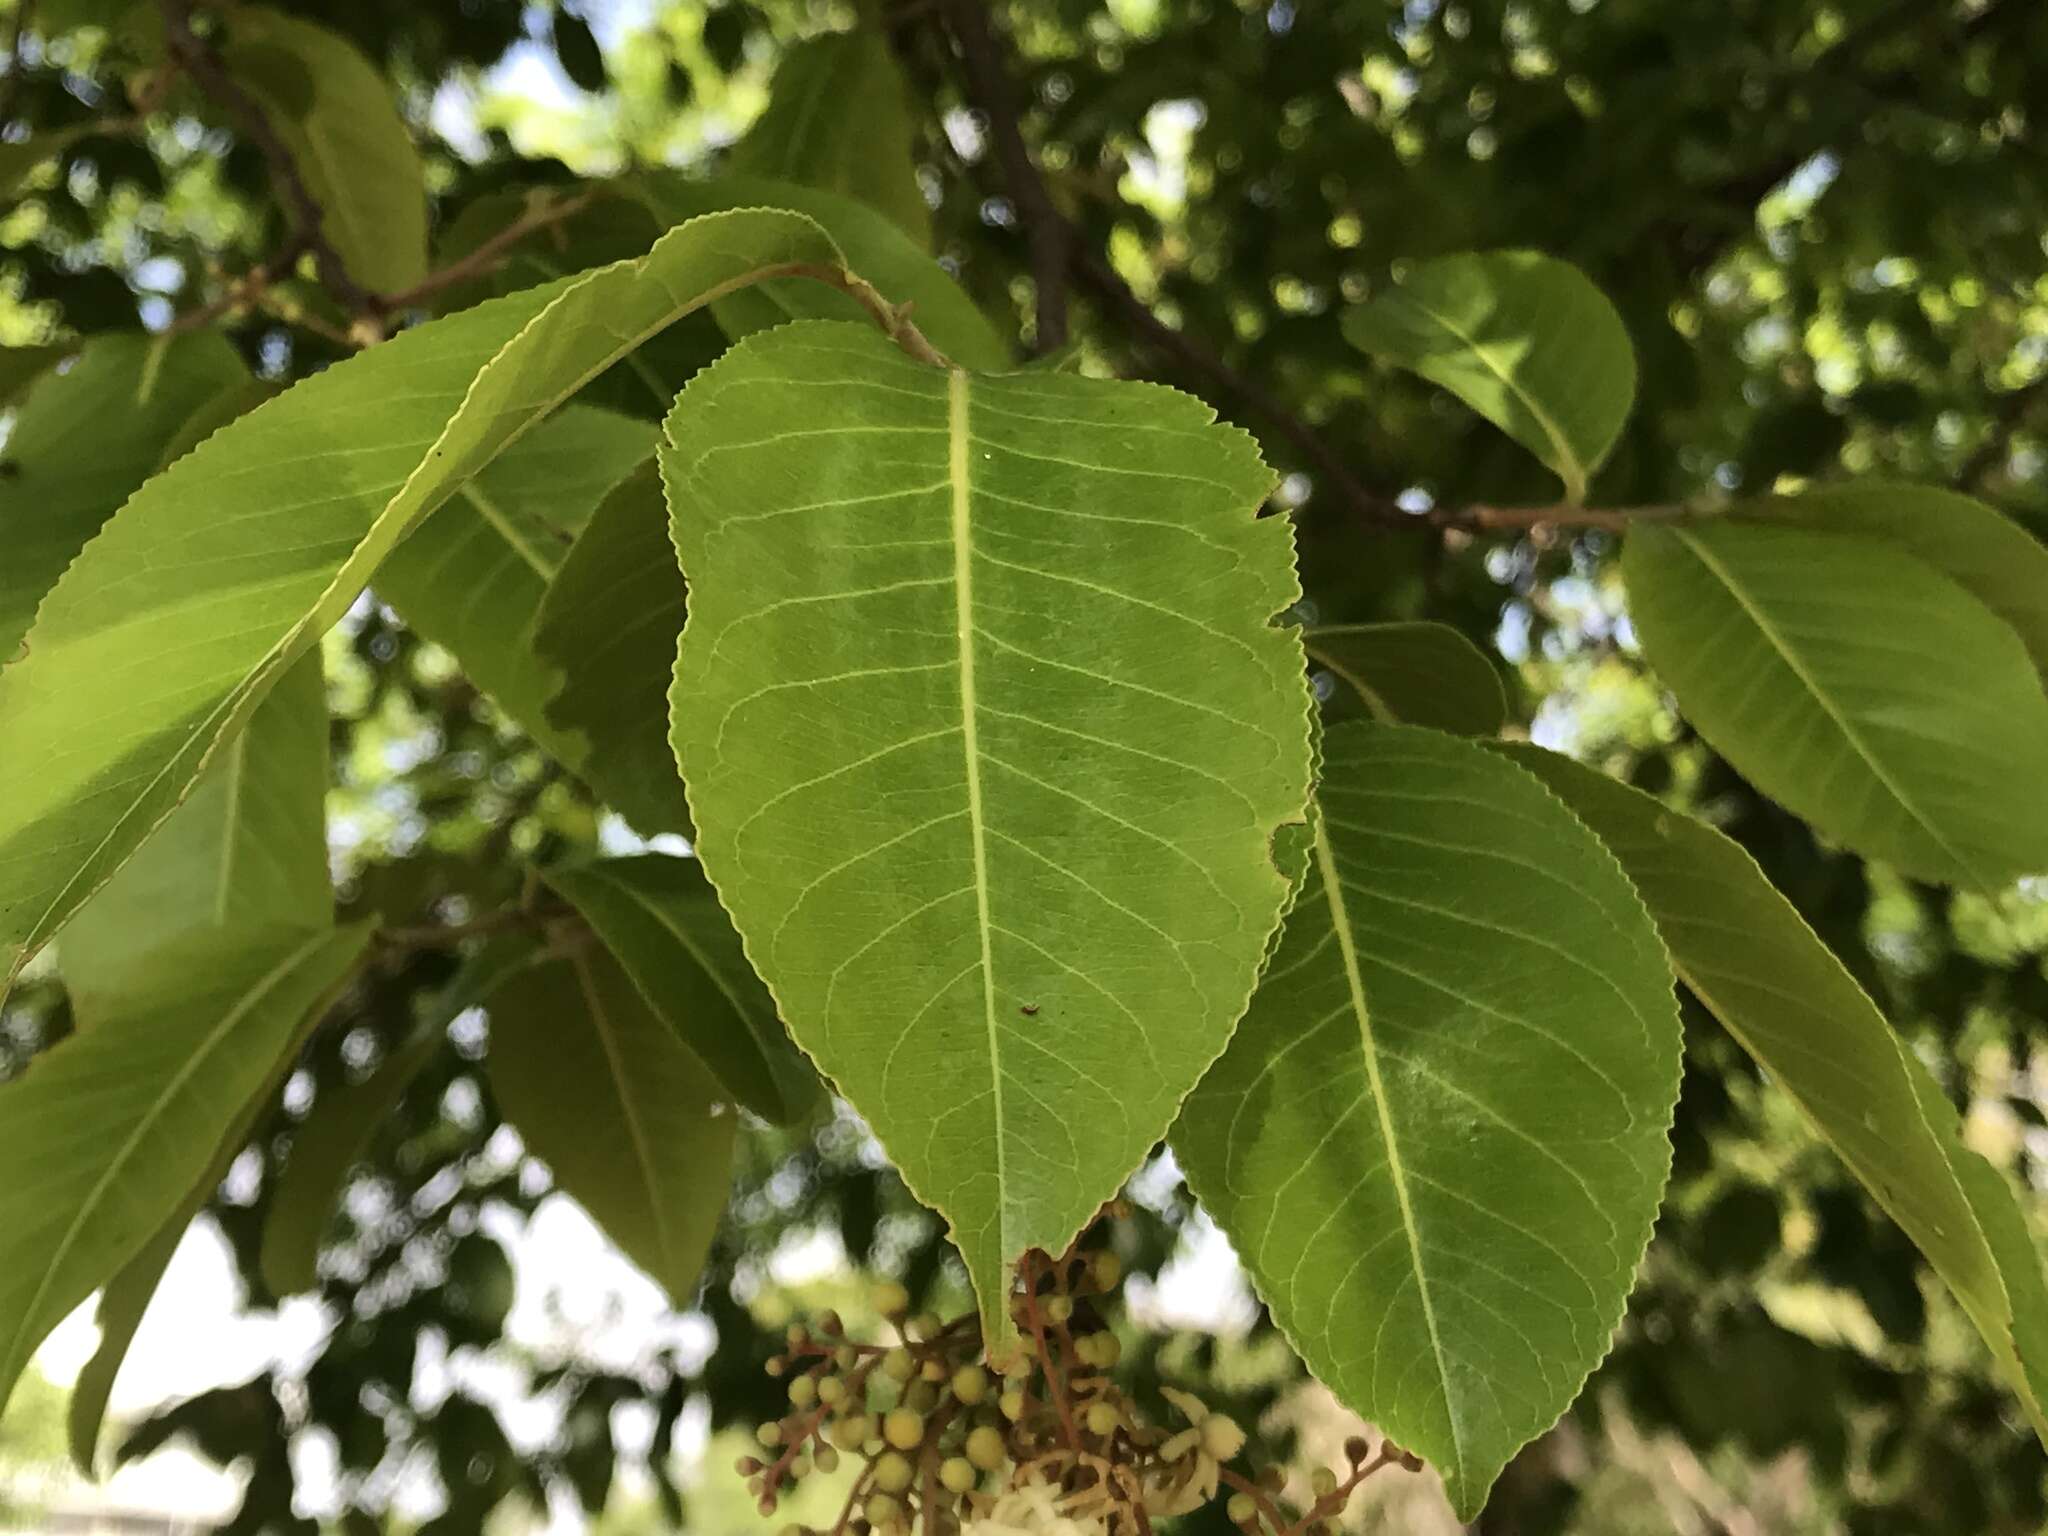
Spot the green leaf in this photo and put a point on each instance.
(1982, 550)
(875, 248)
(1826, 668)
(335, 113)
(1438, 1140)
(989, 737)
(120, 1121)
(630, 1122)
(84, 439)
(472, 576)
(576, 47)
(660, 918)
(343, 1123)
(20, 157)
(1746, 953)
(1522, 338)
(22, 366)
(1418, 674)
(161, 638)
(838, 119)
(606, 632)
(247, 851)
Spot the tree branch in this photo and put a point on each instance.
(200, 62)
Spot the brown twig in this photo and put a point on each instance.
(1046, 231)
(199, 61)
(440, 935)
(487, 257)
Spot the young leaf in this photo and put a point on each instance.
(1749, 957)
(1417, 674)
(162, 637)
(335, 113)
(472, 576)
(247, 851)
(660, 918)
(988, 735)
(343, 1123)
(1825, 669)
(875, 248)
(1438, 1140)
(606, 633)
(83, 441)
(838, 119)
(1522, 338)
(1982, 550)
(629, 1121)
(159, 1083)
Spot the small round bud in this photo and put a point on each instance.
(880, 1509)
(985, 1448)
(1012, 1404)
(1221, 1437)
(1059, 1308)
(898, 1366)
(791, 1530)
(852, 1432)
(828, 1323)
(747, 1466)
(1016, 1361)
(933, 1371)
(893, 1472)
(776, 1365)
(803, 1391)
(826, 1458)
(970, 1384)
(957, 1474)
(769, 1434)
(1356, 1449)
(1411, 1462)
(1272, 1479)
(1242, 1508)
(890, 1298)
(1323, 1481)
(831, 1391)
(922, 1327)
(845, 1357)
(795, 1336)
(1105, 1269)
(1102, 1419)
(904, 1428)
(922, 1397)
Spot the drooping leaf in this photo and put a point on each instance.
(1522, 338)
(632, 1125)
(157, 643)
(1829, 670)
(1746, 953)
(1438, 1139)
(119, 1122)
(607, 632)
(838, 119)
(472, 576)
(576, 47)
(989, 737)
(1417, 674)
(662, 921)
(85, 438)
(246, 852)
(22, 366)
(344, 1122)
(334, 111)
(1981, 549)
(875, 248)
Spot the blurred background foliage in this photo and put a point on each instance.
(1824, 222)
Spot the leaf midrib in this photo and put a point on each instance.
(1785, 652)
(960, 483)
(1333, 892)
(604, 1026)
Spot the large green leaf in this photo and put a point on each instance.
(1438, 1140)
(989, 736)
(119, 1122)
(1861, 688)
(1417, 674)
(661, 919)
(472, 576)
(335, 113)
(83, 441)
(1746, 953)
(630, 1122)
(1522, 338)
(839, 119)
(874, 247)
(606, 632)
(1996, 560)
(345, 1121)
(247, 851)
(162, 637)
